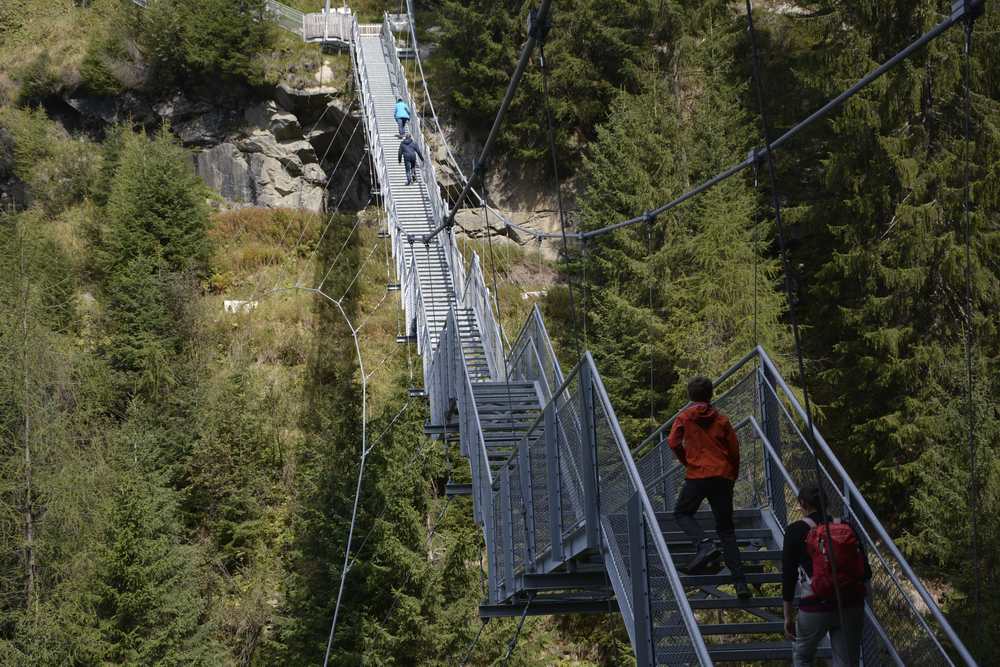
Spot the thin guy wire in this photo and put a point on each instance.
(468, 653)
(517, 633)
(969, 333)
(652, 316)
(792, 312)
(559, 202)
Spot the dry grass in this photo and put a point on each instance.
(255, 247)
(57, 28)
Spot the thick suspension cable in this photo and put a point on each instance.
(517, 633)
(969, 8)
(484, 156)
(550, 131)
(472, 647)
(790, 296)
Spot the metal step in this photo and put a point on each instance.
(735, 603)
(721, 579)
(755, 651)
(743, 535)
(723, 629)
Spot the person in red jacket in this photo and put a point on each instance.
(704, 441)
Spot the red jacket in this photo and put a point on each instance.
(705, 442)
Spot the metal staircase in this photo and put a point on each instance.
(575, 520)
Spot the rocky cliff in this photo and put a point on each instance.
(283, 147)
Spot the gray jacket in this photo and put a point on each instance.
(408, 149)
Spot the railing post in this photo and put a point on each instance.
(507, 531)
(527, 498)
(552, 480)
(639, 574)
(588, 456)
(326, 21)
(771, 415)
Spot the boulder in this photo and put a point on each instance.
(224, 169)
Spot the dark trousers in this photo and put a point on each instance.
(402, 125)
(411, 169)
(719, 493)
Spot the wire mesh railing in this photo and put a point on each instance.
(532, 358)
(905, 624)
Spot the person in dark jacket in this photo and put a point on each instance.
(704, 441)
(402, 115)
(816, 616)
(409, 153)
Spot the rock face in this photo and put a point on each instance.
(270, 164)
(251, 152)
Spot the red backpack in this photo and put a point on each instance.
(847, 554)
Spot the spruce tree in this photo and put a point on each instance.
(156, 208)
(699, 317)
(150, 606)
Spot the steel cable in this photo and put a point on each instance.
(789, 294)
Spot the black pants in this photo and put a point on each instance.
(719, 492)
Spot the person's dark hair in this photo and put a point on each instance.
(700, 389)
(813, 496)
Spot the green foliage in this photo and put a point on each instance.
(156, 206)
(38, 79)
(593, 51)
(30, 132)
(234, 469)
(205, 38)
(674, 298)
(150, 604)
(96, 75)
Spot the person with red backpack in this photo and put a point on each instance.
(814, 547)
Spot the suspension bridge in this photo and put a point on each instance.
(574, 519)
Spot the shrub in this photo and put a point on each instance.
(96, 76)
(38, 79)
(207, 38)
(30, 135)
(156, 207)
(66, 177)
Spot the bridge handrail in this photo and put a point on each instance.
(534, 337)
(448, 380)
(595, 467)
(771, 389)
(477, 298)
(323, 26)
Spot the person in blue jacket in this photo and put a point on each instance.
(402, 115)
(408, 153)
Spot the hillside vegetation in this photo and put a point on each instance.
(177, 478)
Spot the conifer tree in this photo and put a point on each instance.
(699, 317)
(156, 208)
(150, 606)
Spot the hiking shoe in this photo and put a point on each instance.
(706, 552)
(743, 591)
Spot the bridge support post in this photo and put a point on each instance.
(588, 457)
(552, 487)
(639, 574)
(771, 417)
(506, 531)
(527, 497)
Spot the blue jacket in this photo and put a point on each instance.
(402, 111)
(408, 149)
